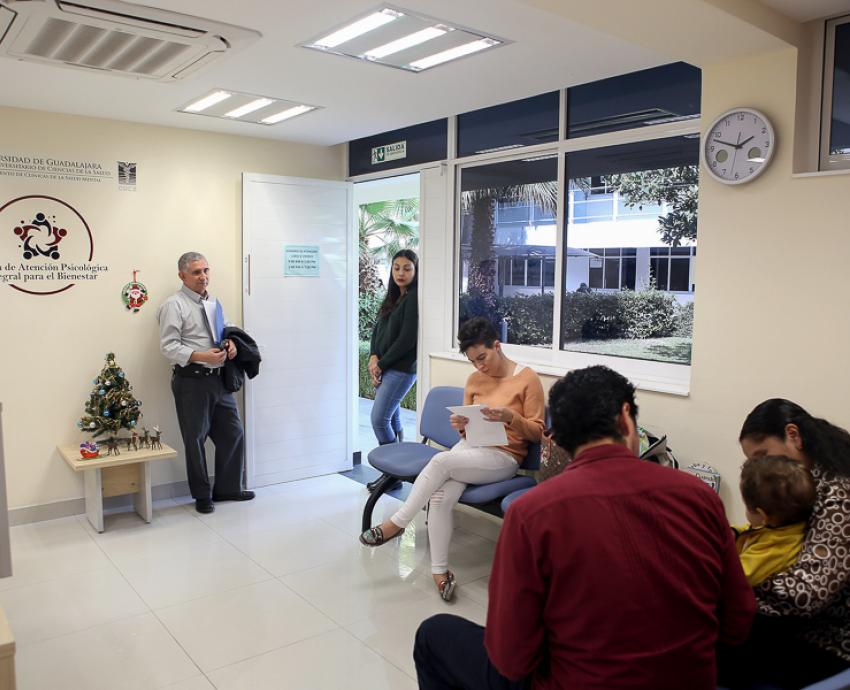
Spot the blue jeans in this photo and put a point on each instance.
(386, 418)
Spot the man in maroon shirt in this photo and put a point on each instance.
(618, 574)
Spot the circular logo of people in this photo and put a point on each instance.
(46, 245)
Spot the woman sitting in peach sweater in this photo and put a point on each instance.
(513, 396)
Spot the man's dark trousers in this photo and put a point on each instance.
(206, 409)
(449, 654)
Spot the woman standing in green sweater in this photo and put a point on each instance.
(392, 351)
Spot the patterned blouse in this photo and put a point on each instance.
(817, 587)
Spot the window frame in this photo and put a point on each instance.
(827, 161)
(646, 375)
(660, 377)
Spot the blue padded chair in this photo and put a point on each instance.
(837, 682)
(488, 497)
(511, 497)
(840, 681)
(407, 459)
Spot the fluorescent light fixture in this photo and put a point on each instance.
(405, 42)
(251, 108)
(358, 28)
(256, 104)
(399, 38)
(207, 101)
(286, 114)
(453, 53)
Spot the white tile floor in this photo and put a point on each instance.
(274, 593)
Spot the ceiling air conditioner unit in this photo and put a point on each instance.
(115, 37)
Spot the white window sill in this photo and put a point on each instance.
(822, 173)
(658, 377)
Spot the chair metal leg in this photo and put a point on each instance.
(380, 489)
(371, 485)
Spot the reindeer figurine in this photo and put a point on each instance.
(112, 446)
(133, 441)
(146, 438)
(156, 443)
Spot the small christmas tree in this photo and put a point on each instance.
(111, 406)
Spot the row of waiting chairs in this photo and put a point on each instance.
(404, 461)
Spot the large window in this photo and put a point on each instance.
(835, 149)
(507, 247)
(630, 250)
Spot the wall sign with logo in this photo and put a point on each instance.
(389, 152)
(301, 261)
(47, 168)
(46, 246)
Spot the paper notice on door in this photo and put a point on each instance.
(480, 431)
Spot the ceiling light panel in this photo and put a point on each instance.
(246, 107)
(399, 38)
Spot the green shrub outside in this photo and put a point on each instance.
(647, 313)
(365, 387)
(593, 316)
(685, 320)
(627, 314)
(368, 305)
(529, 318)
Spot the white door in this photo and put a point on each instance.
(300, 411)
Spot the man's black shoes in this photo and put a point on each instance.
(241, 496)
(204, 505)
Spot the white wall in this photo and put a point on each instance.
(188, 198)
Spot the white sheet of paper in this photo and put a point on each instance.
(480, 431)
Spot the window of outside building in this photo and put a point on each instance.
(669, 93)
(630, 249)
(835, 135)
(511, 125)
(507, 247)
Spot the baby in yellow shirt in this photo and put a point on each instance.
(779, 495)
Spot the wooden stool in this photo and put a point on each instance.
(116, 475)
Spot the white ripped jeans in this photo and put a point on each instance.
(441, 482)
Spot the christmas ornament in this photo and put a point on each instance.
(134, 294)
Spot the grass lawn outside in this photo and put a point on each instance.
(676, 350)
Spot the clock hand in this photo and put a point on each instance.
(738, 145)
(746, 140)
(727, 143)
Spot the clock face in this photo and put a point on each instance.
(738, 146)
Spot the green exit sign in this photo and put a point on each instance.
(390, 152)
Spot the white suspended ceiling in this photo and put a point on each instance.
(548, 49)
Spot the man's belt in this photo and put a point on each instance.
(194, 370)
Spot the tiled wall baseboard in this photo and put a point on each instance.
(77, 506)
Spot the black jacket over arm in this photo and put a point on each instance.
(246, 362)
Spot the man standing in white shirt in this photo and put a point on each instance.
(191, 323)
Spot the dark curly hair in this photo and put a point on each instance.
(783, 488)
(824, 444)
(477, 331)
(584, 406)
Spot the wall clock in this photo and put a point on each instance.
(738, 146)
